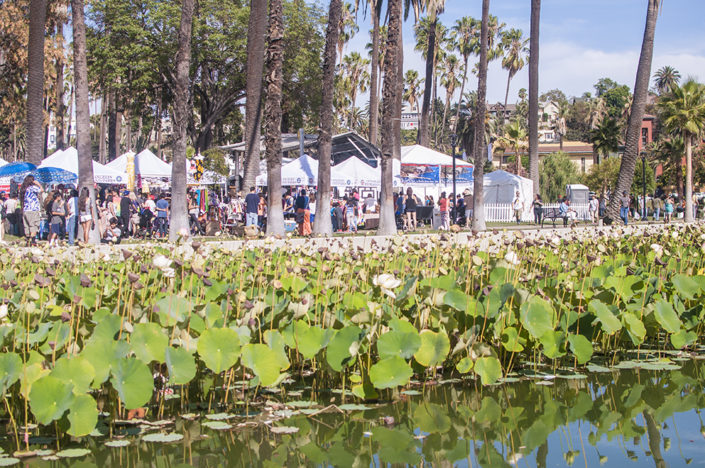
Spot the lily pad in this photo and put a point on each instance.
(217, 425)
(219, 416)
(353, 407)
(163, 438)
(73, 453)
(9, 461)
(117, 443)
(284, 429)
(219, 348)
(133, 382)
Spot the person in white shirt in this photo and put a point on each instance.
(518, 206)
(593, 207)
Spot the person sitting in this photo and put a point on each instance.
(112, 234)
(567, 213)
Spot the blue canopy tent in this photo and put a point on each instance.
(49, 175)
(16, 168)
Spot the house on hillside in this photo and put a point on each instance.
(579, 153)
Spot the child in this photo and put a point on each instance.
(669, 210)
(58, 212)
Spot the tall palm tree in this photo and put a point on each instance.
(534, 94)
(433, 8)
(605, 138)
(466, 34)
(412, 88)
(178, 215)
(478, 219)
(641, 93)
(515, 138)
(450, 81)
(683, 111)
(356, 69)
(376, 11)
(514, 57)
(35, 82)
(665, 78)
(273, 117)
(348, 27)
(256, 32)
(387, 224)
(83, 124)
(596, 111)
(322, 224)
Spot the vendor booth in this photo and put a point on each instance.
(68, 160)
(501, 187)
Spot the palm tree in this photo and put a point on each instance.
(465, 33)
(273, 117)
(450, 81)
(683, 111)
(387, 224)
(322, 224)
(605, 138)
(348, 27)
(515, 138)
(376, 11)
(433, 8)
(669, 153)
(83, 126)
(516, 49)
(178, 215)
(596, 111)
(641, 93)
(356, 69)
(666, 78)
(256, 31)
(412, 88)
(35, 82)
(478, 220)
(534, 94)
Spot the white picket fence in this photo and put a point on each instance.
(503, 212)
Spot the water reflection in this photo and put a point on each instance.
(608, 419)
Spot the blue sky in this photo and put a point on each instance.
(581, 41)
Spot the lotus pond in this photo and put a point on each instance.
(411, 351)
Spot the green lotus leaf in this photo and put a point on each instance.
(581, 348)
(683, 338)
(538, 316)
(163, 438)
(50, 398)
(456, 299)
(432, 418)
(29, 374)
(74, 370)
(148, 341)
(489, 369)
(553, 344)
(635, 328)
(106, 329)
(364, 390)
(263, 361)
(610, 323)
(435, 346)
(73, 453)
(9, 461)
(511, 340)
(219, 348)
(310, 339)
(390, 372)
(104, 354)
(83, 415)
(275, 341)
(465, 365)
(10, 370)
(133, 382)
(667, 317)
(338, 351)
(173, 310)
(181, 365)
(217, 425)
(403, 340)
(686, 286)
(354, 407)
(117, 443)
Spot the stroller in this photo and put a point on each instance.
(146, 225)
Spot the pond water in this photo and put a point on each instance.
(628, 417)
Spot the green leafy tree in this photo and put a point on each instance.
(605, 138)
(555, 172)
(666, 78)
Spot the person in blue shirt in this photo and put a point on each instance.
(162, 215)
(251, 204)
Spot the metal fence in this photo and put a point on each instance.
(503, 212)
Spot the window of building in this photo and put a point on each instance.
(582, 164)
(644, 137)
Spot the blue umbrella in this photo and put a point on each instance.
(49, 175)
(16, 168)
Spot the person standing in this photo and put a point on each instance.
(624, 201)
(57, 220)
(593, 208)
(31, 208)
(668, 210)
(467, 194)
(125, 213)
(518, 206)
(303, 213)
(658, 206)
(538, 209)
(71, 216)
(251, 204)
(262, 212)
(84, 212)
(410, 209)
(443, 208)
(162, 216)
(351, 214)
(12, 212)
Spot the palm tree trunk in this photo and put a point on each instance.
(60, 109)
(390, 91)
(322, 223)
(103, 129)
(534, 94)
(460, 99)
(399, 98)
(424, 130)
(689, 218)
(83, 124)
(35, 82)
(478, 219)
(256, 33)
(641, 92)
(178, 221)
(273, 118)
(374, 72)
(506, 96)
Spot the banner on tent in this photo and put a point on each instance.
(420, 174)
(462, 175)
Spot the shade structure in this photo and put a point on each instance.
(353, 172)
(300, 171)
(420, 155)
(2, 162)
(68, 160)
(49, 175)
(147, 165)
(501, 187)
(16, 168)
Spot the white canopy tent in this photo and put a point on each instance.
(417, 154)
(353, 172)
(501, 187)
(2, 162)
(300, 171)
(147, 164)
(68, 160)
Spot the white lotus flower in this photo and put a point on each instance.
(657, 248)
(512, 258)
(3, 311)
(386, 283)
(169, 272)
(183, 232)
(674, 234)
(161, 262)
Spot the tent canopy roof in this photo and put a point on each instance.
(147, 164)
(68, 160)
(417, 154)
